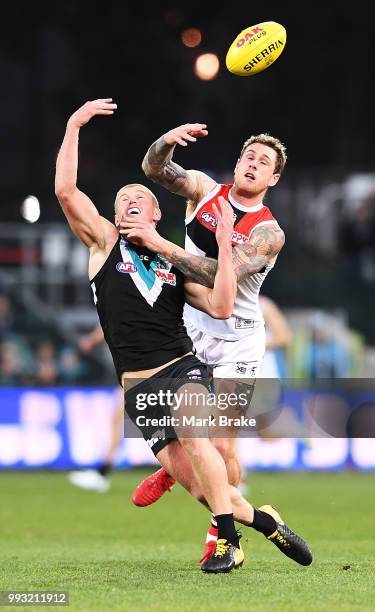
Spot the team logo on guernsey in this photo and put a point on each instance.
(209, 219)
(166, 277)
(126, 267)
(149, 280)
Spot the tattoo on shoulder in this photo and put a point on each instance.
(265, 243)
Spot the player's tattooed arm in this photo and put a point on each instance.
(201, 270)
(159, 167)
(265, 243)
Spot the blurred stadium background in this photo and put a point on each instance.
(145, 57)
(56, 401)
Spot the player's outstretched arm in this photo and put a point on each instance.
(201, 270)
(218, 302)
(79, 210)
(159, 167)
(264, 244)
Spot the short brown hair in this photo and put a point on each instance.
(273, 143)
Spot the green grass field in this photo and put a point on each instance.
(110, 555)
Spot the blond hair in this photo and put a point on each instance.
(142, 187)
(273, 143)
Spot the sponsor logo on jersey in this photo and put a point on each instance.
(162, 262)
(244, 323)
(126, 267)
(240, 368)
(243, 368)
(239, 238)
(194, 374)
(166, 277)
(157, 435)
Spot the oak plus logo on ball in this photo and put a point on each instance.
(252, 35)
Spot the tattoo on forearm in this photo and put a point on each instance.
(159, 153)
(158, 165)
(201, 270)
(265, 243)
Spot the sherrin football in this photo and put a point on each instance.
(256, 48)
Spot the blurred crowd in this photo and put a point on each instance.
(320, 345)
(35, 360)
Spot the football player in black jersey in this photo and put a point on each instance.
(140, 305)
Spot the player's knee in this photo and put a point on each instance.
(234, 494)
(194, 446)
(226, 448)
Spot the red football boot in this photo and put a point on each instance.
(209, 550)
(152, 488)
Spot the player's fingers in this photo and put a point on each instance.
(104, 112)
(226, 209)
(201, 133)
(223, 203)
(180, 141)
(107, 107)
(216, 212)
(130, 233)
(190, 137)
(195, 126)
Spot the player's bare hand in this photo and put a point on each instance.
(184, 134)
(225, 220)
(102, 106)
(141, 233)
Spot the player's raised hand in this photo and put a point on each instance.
(183, 134)
(141, 233)
(102, 106)
(225, 220)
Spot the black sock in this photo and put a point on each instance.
(263, 522)
(226, 529)
(105, 469)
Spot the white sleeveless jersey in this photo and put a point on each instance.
(200, 240)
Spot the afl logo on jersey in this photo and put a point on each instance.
(209, 219)
(126, 267)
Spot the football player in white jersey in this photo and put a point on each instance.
(236, 348)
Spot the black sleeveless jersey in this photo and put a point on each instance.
(140, 297)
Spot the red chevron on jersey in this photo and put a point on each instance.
(246, 220)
